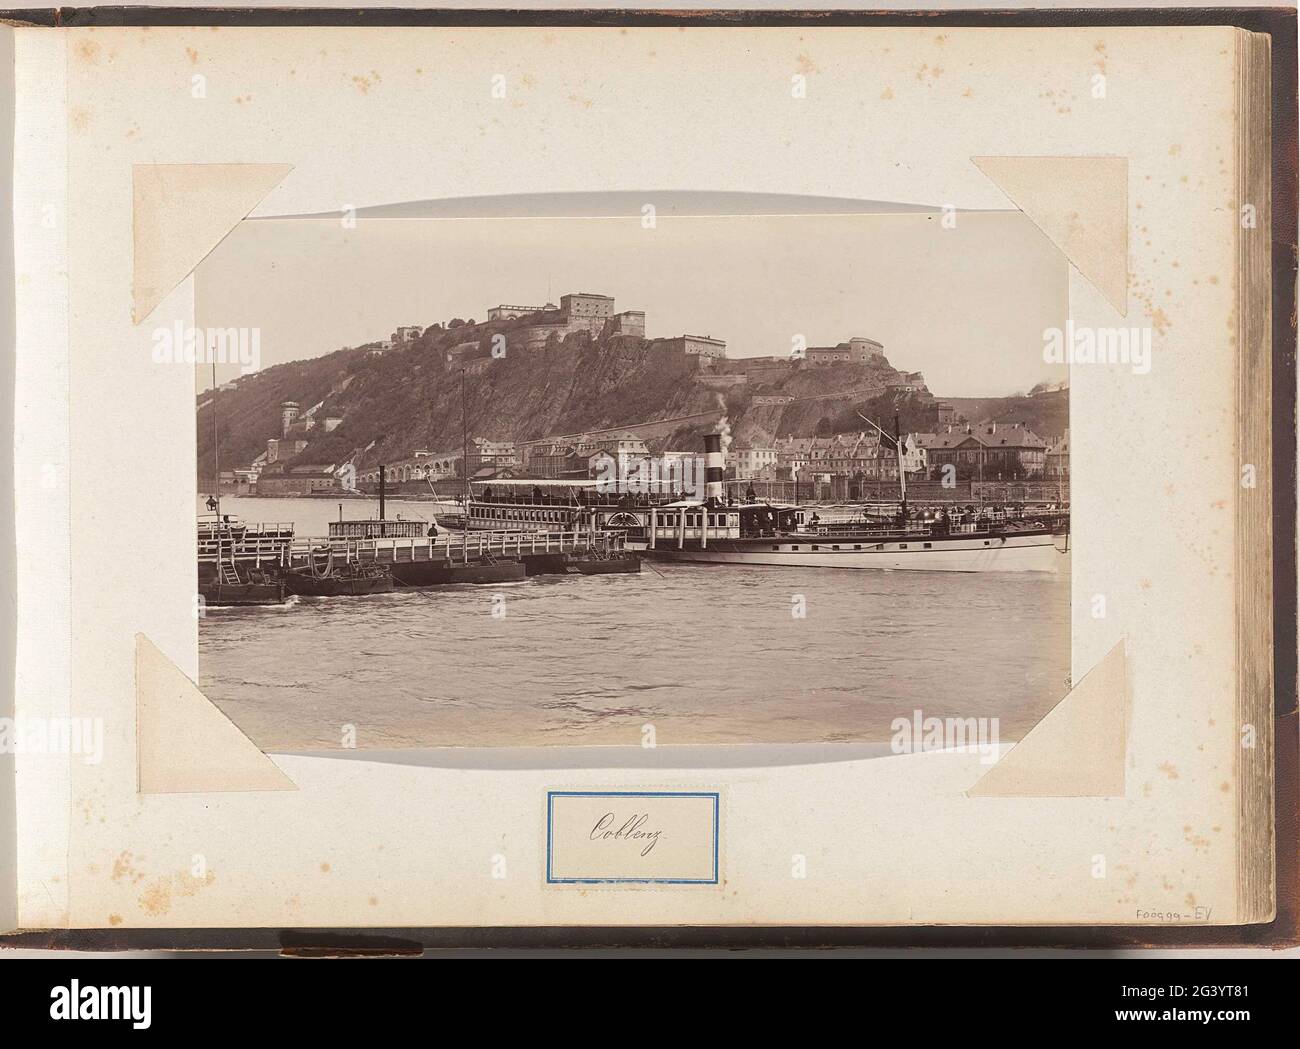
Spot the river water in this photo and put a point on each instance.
(703, 654)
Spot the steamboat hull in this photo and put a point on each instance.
(1007, 553)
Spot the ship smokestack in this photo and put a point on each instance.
(713, 467)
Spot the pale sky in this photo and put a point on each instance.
(966, 306)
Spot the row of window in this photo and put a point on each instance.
(693, 521)
(512, 514)
(858, 546)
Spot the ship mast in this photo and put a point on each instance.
(902, 475)
(898, 451)
(216, 450)
(464, 439)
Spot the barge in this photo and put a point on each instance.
(349, 580)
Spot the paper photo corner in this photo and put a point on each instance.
(1081, 205)
(1078, 750)
(184, 744)
(180, 213)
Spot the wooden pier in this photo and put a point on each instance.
(448, 548)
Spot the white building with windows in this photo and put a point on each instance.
(750, 462)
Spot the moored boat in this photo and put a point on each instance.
(351, 580)
(232, 591)
(710, 531)
(597, 563)
(532, 505)
(487, 572)
(1019, 550)
(416, 574)
(453, 520)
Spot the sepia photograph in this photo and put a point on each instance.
(740, 478)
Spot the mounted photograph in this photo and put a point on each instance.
(631, 479)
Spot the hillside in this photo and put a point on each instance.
(1047, 413)
(409, 397)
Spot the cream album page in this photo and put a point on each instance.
(635, 476)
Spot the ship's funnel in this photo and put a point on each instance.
(713, 467)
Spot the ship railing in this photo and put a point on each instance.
(463, 546)
(456, 546)
(259, 550)
(281, 529)
(513, 543)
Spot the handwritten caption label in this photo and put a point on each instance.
(632, 837)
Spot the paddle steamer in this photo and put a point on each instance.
(710, 530)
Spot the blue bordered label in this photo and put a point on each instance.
(625, 837)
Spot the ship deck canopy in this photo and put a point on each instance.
(781, 507)
(538, 482)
